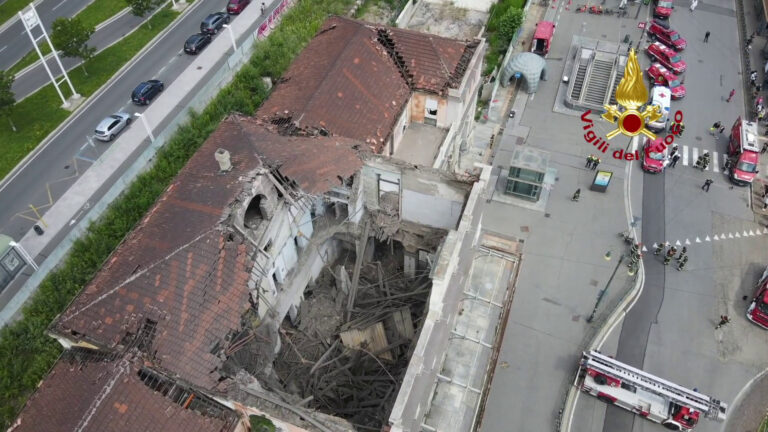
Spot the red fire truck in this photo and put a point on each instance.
(673, 406)
(743, 147)
(757, 312)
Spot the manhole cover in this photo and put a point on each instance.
(546, 215)
(698, 138)
(66, 166)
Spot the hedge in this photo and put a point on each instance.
(26, 352)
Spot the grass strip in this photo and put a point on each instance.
(93, 15)
(39, 114)
(26, 352)
(9, 9)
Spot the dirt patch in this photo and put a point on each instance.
(447, 20)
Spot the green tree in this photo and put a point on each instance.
(143, 7)
(7, 98)
(510, 22)
(70, 36)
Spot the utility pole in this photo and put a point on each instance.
(602, 292)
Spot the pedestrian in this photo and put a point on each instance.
(765, 145)
(723, 321)
(706, 37)
(680, 129)
(595, 163)
(694, 3)
(765, 190)
(682, 253)
(667, 259)
(758, 87)
(682, 263)
(722, 129)
(715, 126)
(728, 166)
(765, 203)
(761, 114)
(576, 195)
(731, 95)
(263, 6)
(589, 162)
(658, 248)
(675, 158)
(706, 184)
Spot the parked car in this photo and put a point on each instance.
(662, 76)
(655, 155)
(196, 43)
(237, 6)
(146, 91)
(667, 57)
(108, 129)
(663, 9)
(660, 30)
(214, 22)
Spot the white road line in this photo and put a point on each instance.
(57, 6)
(3, 48)
(694, 154)
(715, 162)
(685, 155)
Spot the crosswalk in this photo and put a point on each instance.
(718, 159)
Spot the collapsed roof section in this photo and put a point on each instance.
(179, 282)
(118, 396)
(354, 79)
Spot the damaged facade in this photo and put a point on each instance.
(287, 270)
(403, 93)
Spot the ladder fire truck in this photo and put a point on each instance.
(675, 407)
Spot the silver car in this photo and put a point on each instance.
(108, 129)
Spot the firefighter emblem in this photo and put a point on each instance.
(631, 94)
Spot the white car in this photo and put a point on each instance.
(108, 129)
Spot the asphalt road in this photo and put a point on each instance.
(14, 42)
(46, 176)
(35, 78)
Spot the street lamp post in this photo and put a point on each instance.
(146, 126)
(602, 292)
(231, 36)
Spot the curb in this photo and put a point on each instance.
(44, 143)
(15, 17)
(49, 55)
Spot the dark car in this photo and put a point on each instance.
(237, 6)
(196, 43)
(146, 91)
(214, 22)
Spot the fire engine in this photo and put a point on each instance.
(675, 407)
(757, 312)
(743, 146)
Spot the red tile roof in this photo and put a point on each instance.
(109, 396)
(182, 268)
(354, 79)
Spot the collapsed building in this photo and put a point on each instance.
(296, 269)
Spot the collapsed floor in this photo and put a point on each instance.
(350, 364)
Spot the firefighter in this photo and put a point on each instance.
(682, 253)
(670, 254)
(724, 319)
(667, 259)
(635, 249)
(633, 260)
(659, 248)
(682, 263)
(576, 195)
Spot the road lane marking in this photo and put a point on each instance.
(695, 155)
(57, 6)
(715, 162)
(3, 48)
(685, 155)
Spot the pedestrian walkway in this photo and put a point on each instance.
(689, 154)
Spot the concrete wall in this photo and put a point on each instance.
(417, 107)
(420, 378)
(427, 196)
(431, 201)
(478, 5)
(402, 123)
(406, 15)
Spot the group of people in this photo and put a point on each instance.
(682, 259)
(677, 128)
(703, 161)
(592, 162)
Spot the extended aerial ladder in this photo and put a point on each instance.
(657, 399)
